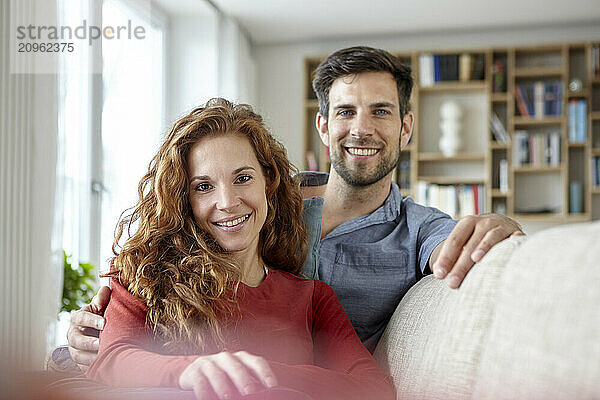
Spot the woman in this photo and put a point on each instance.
(206, 295)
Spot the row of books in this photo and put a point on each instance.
(596, 171)
(539, 99)
(577, 120)
(455, 200)
(434, 68)
(540, 149)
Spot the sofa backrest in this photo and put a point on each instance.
(525, 323)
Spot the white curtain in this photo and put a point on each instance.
(30, 267)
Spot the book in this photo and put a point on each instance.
(521, 101)
(465, 67)
(539, 91)
(503, 175)
(498, 129)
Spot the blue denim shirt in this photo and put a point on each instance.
(371, 261)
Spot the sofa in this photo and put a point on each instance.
(525, 324)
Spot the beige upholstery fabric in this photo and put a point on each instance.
(544, 340)
(433, 343)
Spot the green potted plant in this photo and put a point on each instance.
(79, 285)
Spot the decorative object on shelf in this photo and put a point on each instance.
(450, 125)
(575, 85)
(575, 197)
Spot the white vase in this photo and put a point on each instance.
(450, 142)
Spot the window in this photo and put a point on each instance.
(110, 123)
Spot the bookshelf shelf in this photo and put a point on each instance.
(541, 121)
(595, 151)
(535, 72)
(498, 146)
(499, 97)
(457, 157)
(455, 87)
(595, 115)
(527, 169)
(595, 190)
(576, 145)
(452, 180)
(579, 94)
(499, 193)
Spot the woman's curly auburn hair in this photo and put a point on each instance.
(183, 276)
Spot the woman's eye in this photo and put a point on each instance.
(243, 179)
(203, 187)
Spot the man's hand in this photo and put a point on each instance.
(468, 242)
(85, 328)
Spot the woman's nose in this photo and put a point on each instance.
(227, 198)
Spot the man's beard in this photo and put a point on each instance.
(360, 177)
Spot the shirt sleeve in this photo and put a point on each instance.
(124, 357)
(433, 230)
(344, 368)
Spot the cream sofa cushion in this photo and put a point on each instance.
(544, 340)
(433, 342)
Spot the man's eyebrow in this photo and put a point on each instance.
(236, 171)
(344, 105)
(383, 104)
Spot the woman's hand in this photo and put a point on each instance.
(226, 375)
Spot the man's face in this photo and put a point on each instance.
(364, 127)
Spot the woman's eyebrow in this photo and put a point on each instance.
(236, 171)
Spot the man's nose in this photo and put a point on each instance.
(362, 125)
(228, 198)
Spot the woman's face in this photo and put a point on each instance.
(227, 191)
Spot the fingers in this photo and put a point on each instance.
(226, 375)
(239, 373)
(100, 300)
(86, 319)
(83, 359)
(468, 242)
(453, 247)
(259, 367)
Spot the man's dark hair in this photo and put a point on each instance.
(355, 60)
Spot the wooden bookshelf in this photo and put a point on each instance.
(457, 157)
(503, 69)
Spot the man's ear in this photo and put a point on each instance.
(321, 123)
(407, 128)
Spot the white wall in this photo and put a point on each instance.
(207, 56)
(192, 63)
(281, 67)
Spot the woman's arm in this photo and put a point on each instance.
(344, 367)
(124, 358)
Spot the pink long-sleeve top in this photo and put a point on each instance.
(298, 325)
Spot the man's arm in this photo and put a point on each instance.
(84, 330)
(468, 242)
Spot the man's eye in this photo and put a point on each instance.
(203, 187)
(381, 111)
(243, 178)
(345, 113)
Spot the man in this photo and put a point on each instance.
(365, 241)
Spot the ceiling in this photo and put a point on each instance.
(272, 21)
